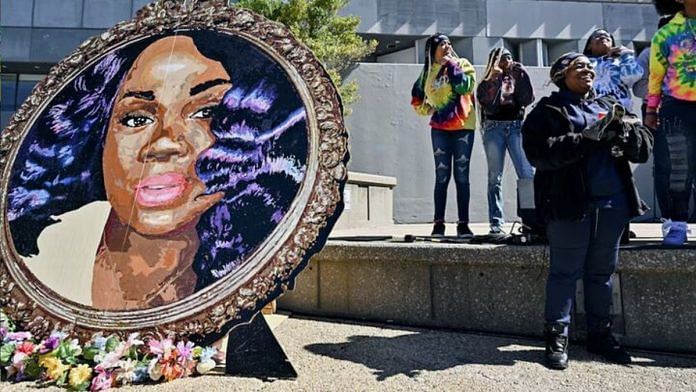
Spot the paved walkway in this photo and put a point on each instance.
(333, 355)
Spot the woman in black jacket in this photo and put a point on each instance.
(581, 147)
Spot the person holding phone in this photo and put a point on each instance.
(503, 95)
(616, 67)
(581, 147)
(444, 91)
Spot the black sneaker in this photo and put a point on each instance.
(463, 231)
(604, 344)
(556, 354)
(438, 229)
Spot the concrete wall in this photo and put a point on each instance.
(494, 289)
(388, 138)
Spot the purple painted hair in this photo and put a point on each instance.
(258, 159)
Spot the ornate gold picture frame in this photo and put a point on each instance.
(265, 173)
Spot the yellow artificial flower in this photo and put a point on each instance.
(54, 367)
(79, 375)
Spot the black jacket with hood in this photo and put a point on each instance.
(558, 152)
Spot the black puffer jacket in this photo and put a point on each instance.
(558, 151)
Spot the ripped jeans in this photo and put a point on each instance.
(678, 163)
(452, 153)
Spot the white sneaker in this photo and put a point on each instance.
(674, 233)
(666, 225)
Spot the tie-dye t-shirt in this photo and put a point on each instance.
(673, 61)
(615, 76)
(446, 93)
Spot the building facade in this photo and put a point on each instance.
(536, 31)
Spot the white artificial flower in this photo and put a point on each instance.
(126, 372)
(154, 370)
(204, 367)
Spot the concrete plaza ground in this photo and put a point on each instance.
(336, 355)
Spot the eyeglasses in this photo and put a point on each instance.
(580, 66)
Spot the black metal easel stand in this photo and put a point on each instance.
(253, 351)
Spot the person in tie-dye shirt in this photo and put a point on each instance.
(444, 91)
(616, 67)
(671, 108)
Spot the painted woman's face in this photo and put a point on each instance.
(159, 126)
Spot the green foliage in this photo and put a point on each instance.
(6, 322)
(90, 352)
(6, 352)
(32, 369)
(111, 344)
(331, 37)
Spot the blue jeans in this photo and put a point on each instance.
(675, 155)
(452, 152)
(586, 249)
(499, 136)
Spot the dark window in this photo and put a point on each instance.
(8, 84)
(25, 85)
(15, 89)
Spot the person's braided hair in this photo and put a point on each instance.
(668, 7)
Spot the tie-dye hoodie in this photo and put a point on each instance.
(615, 76)
(673, 61)
(446, 93)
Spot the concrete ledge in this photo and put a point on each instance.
(371, 180)
(492, 288)
(368, 201)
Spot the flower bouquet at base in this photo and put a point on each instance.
(103, 362)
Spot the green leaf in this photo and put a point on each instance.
(6, 322)
(64, 351)
(82, 387)
(89, 353)
(32, 369)
(62, 380)
(111, 344)
(6, 351)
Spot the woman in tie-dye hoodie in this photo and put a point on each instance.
(672, 100)
(615, 66)
(444, 91)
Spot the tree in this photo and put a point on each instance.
(331, 37)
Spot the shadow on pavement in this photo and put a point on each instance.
(417, 351)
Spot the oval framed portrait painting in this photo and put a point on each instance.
(171, 176)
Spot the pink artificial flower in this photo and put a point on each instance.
(185, 351)
(18, 361)
(18, 336)
(133, 341)
(102, 381)
(160, 347)
(109, 360)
